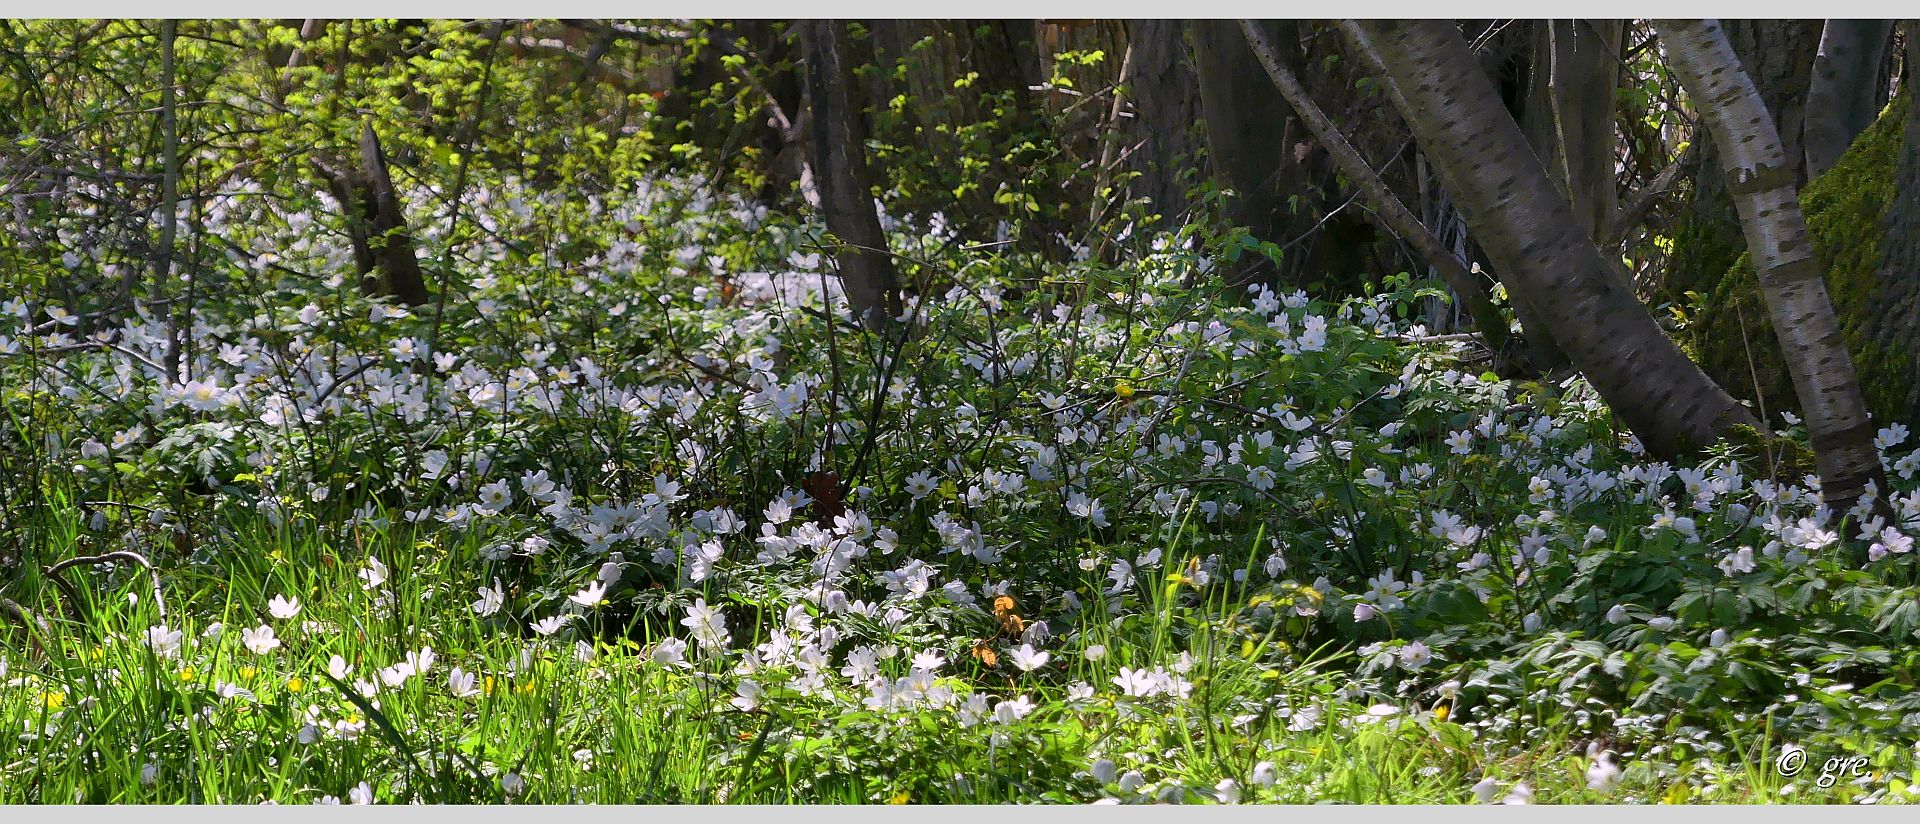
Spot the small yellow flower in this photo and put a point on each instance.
(901, 797)
(53, 700)
(295, 684)
(527, 688)
(248, 672)
(186, 674)
(1440, 713)
(486, 686)
(1123, 390)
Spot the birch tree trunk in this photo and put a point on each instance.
(840, 171)
(1760, 176)
(1549, 264)
(1778, 57)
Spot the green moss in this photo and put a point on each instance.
(1731, 335)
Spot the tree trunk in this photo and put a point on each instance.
(1544, 255)
(1846, 90)
(1759, 172)
(1896, 329)
(1005, 54)
(1159, 141)
(391, 241)
(1471, 291)
(1778, 57)
(376, 224)
(1576, 71)
(846, 190)
(1250, 136)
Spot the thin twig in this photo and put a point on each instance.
(54, 571)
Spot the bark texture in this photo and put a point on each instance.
(1397, 219)
(1576, 72)
(1778, 57)
(1759, 170)
(1160, 142)
(1846, 90)
(846, 188)
(376, 224)
(1545, 257)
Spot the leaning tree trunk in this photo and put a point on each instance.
(1395, 216)
(1759, 174)
(840, 172)
(1544, 255)
(1847, 89)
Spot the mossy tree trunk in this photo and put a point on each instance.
(1896, 324)
(1846, 89)
(1760, 174)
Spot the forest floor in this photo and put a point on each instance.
(614, 530)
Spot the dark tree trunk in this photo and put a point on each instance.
(1006, 54)
(1251, 133)
(1543, 254)
(1284, 188)
(376, 224)
(1896, 328)
(391, 241)
(1847, 89)
(846, 188)
(1576, 71)
(1160, 141)
(1759, 170)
